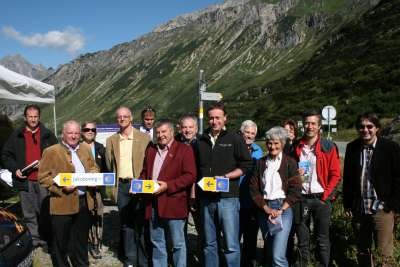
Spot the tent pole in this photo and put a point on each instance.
(54, 117)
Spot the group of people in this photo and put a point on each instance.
(279, 192)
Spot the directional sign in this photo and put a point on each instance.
(144, 186)
(208, 96)
(331, 122)
(85, 179)
(214, 184)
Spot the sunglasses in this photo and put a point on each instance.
(86, 130)
(368, 126)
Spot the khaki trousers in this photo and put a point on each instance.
(378, 227)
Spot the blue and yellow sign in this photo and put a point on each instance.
(143, 186)
(214, 184)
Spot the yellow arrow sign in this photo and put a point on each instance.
(65, 179)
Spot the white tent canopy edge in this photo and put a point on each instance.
(16, 88)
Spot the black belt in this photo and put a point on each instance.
(312, 196)
(124, 180)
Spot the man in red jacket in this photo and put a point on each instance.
(319, 166)
(172, 165)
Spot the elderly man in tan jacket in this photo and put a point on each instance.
(124, 156)
(69, 205)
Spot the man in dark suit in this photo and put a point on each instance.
(172, 165)
(371, 186)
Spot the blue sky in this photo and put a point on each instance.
(52, 32)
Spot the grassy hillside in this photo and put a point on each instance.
(358, 70)
(263, 66)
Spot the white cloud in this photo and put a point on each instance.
(70, 39)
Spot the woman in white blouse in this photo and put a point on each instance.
(275, 186)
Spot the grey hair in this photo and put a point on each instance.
(67, 123)
(188, 117)
(277, 132)
(123, 107)
(247, 124)
(162, 122)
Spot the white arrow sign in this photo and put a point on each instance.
(214, 184)
(331, 122)
(85, 179)
(208, 96)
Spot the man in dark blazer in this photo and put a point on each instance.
(371, 186)
(172, 165)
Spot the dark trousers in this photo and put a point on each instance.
(249, 230)
(31, 205)
(320, 214)
(70, 237)
(131, 213)
(379, 227)
(195, 212)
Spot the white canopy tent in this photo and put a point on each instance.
(16, 88)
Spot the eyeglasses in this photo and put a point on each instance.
(86, 130)
(368, 126)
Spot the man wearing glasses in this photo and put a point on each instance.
(88, 133)
(24, 147)
(371, 186)
(124, 156)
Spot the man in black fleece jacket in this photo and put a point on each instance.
(225, 154)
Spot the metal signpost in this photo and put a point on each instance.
(329, 113)
(205, 96)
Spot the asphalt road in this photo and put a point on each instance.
(342, 147)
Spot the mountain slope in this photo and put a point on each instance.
(20, 65)
(241, 45)
(357, 71)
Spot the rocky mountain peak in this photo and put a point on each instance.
(20, 65)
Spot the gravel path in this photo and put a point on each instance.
(110, 243)
(111, 239)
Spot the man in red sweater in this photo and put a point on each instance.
(25, 146)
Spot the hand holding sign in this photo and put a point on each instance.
(143, 186)
(214, 184)
(85, 179)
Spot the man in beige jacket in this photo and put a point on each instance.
(69, 205)
(124, 156)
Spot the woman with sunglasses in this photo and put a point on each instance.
(88, 133)
(274, 187)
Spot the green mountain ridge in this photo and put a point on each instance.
(358, 71)
(254, 52)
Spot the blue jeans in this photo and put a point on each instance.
(158, 230)
(221, 214)
(132, 227)
(277, 243)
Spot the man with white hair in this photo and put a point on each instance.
(69, 205)
(248, 212)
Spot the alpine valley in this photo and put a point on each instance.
(270, 59)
